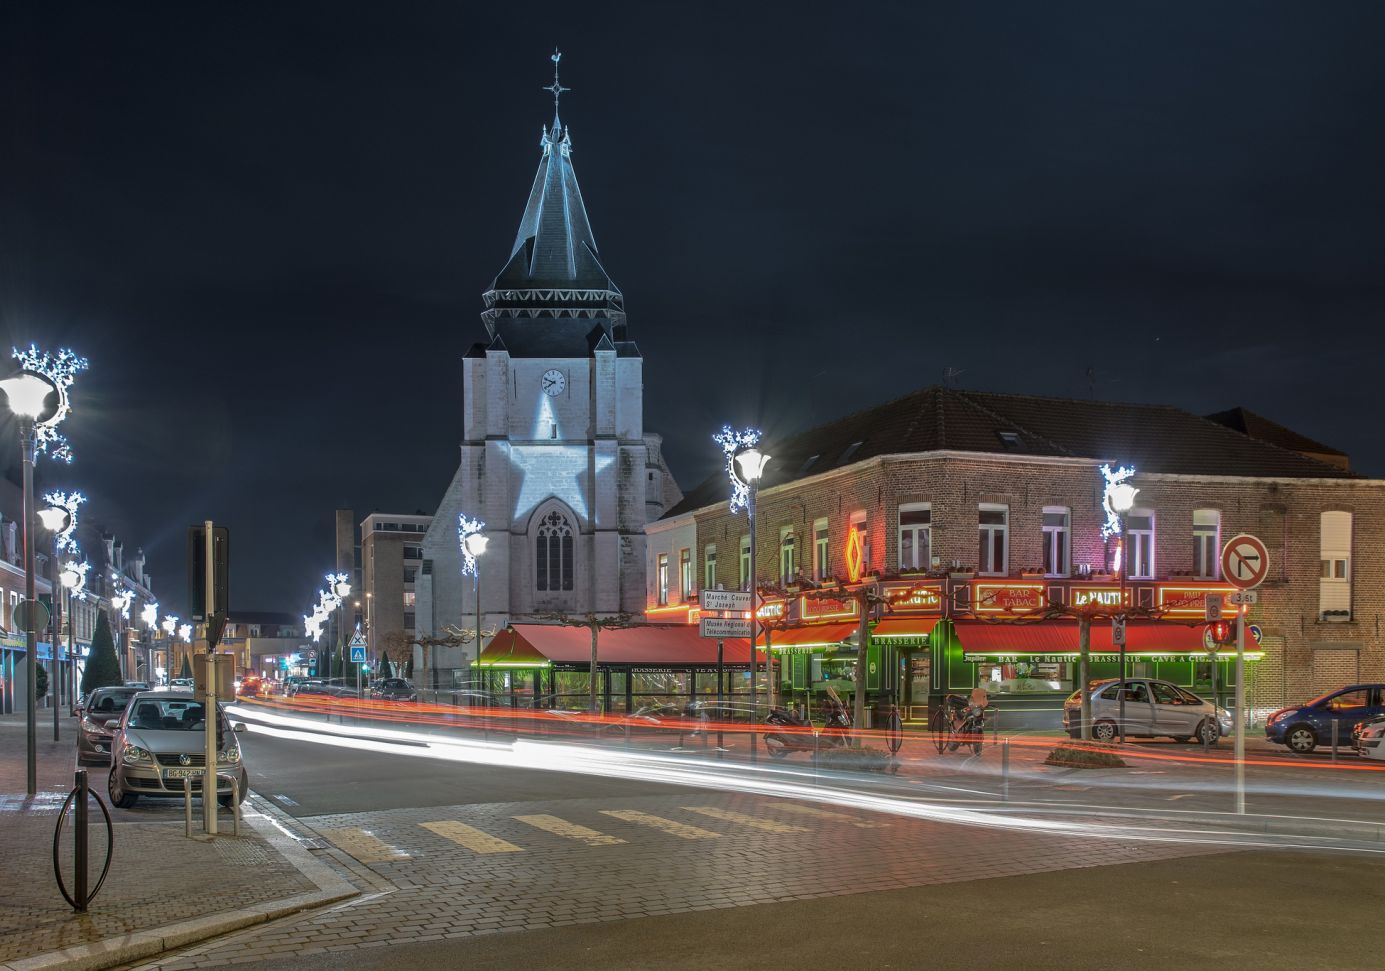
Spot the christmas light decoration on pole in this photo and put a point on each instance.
(149, 614)
(473, 540)
(732, 443)
(68, 502)
(60, 371)
(185, 632)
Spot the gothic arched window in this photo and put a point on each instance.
(553, 558)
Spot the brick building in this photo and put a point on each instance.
(391, 558)
(963, 508)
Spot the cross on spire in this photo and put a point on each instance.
(556, 87)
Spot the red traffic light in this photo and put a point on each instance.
(1221, 632)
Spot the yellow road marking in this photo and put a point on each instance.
(745, 819)
(561, 827)
(791, 807)
(471, 837)
(669, 826)
(364, 846)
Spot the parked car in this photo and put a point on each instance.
(1304, 727)
(305, 686)
(394, 689)
(99, 713)
(1368, 736)
(160, 741)
(340, 687)
(1152, 709)
(181, 684)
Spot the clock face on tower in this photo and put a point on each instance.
(554, 381)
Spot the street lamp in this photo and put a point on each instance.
(1118, 498)
(28, 394)
(745, 466)
(149, 615)
(55, 519)
(470, 533)
(343, 590)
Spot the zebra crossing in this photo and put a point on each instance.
(375, 845)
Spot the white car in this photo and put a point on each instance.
(1370, 741)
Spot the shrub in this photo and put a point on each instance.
(103, 669)
(1085, 755)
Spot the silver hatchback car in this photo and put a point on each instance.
(1152, 709)
(160, 742)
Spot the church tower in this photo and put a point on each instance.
(555, 460)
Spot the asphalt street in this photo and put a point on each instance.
(487, 866)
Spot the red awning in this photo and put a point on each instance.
(664, 645)
(814, 635)
(1060, 637)
(905, 627)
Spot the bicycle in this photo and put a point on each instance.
(957, 722)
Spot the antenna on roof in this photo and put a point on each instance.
(950, 376)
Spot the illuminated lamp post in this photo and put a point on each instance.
(149, 615)
(1118, 499)
(343, 590)
(28, 395)
(745, 466)
(473, 541)
(55, 519)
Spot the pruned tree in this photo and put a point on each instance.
(103, 668)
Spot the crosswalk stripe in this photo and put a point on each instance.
(745, 819)
(670, 826)
(791, 807)
(471, 837)
(364, 846)
(561, 827)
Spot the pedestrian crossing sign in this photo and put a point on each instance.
(358, 654)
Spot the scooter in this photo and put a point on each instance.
(801, 737)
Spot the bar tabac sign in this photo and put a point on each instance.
(1006, 598)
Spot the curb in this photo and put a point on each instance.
(130, 948)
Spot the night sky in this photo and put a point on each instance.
(269, 226)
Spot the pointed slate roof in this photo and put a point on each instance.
(1156, 438)
(553, 290)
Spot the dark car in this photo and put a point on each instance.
(307, 686)
(394, 689)
(93, 737)
(1304, 727)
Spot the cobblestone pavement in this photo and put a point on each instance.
(153, 870)
(464, 871)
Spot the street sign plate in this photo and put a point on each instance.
(1255, 632)
(1245, 562)
(724, 600)
(358, 654)
(1118, 631)
(31, 615)
(723, 627)
(1244, 597)
(1212, 612)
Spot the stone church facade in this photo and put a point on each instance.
(555, 458)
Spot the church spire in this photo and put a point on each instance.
(554, 247)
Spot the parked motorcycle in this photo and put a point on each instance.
(801, 735)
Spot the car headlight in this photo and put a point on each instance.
(90, 727)
(134, 755)
(228, 757)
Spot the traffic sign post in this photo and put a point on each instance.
(722, 628)
(1118, 630)
(1245, 562)
(1213, 608)
(357, 647)
(734, 600)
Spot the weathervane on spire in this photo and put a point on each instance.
(556, 87)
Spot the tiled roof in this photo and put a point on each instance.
(1262, 429)
(1155, 438)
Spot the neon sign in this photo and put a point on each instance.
(1096, 596)
(855, 555)
(923, 597)
(1006, 598)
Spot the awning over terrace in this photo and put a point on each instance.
(1057, 640)
(654, 646)
(816, 635)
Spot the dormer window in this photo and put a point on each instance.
(1011, 440)
(849, 452)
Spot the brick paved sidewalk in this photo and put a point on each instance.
(157, 878)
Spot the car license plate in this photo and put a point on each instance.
(183, 773)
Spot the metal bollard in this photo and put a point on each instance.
(1334, 739)
(80, 842)
(235, 802)
(1005, 771)
(187, 808)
